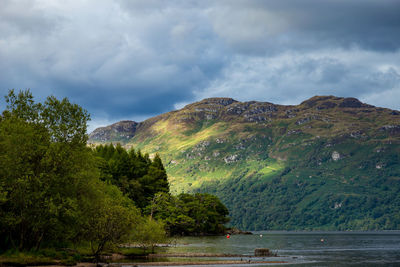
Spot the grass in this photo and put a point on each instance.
(66, 256)
(49, 256)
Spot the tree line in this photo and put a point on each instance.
(55, 191)
(145, 181)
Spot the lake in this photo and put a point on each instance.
(304, 248)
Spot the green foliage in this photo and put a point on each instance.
(149, 233)
(145, 181)
(42, 168)
(135, 174)
(186, 214)
(50, 192)
(316, 192)
(56, 192)
(110, 220)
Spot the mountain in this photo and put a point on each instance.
(327, 163)
(118, 132)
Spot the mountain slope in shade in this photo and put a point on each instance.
(121, 131)
(328, 163)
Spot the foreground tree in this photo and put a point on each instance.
(110, 220)
(55, 191)
(50, 190)
(43, 166)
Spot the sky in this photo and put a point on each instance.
(128, 59)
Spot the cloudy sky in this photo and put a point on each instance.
(127, 59)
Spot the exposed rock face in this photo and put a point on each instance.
(123, 130)
(302, 121)
(326, 105)
(335, 156)
(338, 205)
(238, 108)
(216, 153)
(392, 129)
(231, 158)
(351, 102)
(219, 101)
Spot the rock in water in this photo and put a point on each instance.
(262, 252)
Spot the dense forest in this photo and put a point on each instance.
(55, 191)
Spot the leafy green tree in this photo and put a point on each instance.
(156, 179)
(110, 220)
(137, 176)
(189, 214)
(44, 162)
(150, 233)
(50, 190)
(207, 211)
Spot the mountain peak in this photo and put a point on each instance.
(123, 130)
(224, 101)
(220, 101)
(326, 102)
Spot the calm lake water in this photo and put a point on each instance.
(305, 248)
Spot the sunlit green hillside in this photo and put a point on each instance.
(328, 163)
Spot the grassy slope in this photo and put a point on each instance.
(278, 172)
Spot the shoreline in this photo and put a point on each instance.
(204, 255)
(165, 263)
(180, 263)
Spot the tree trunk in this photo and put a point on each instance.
(12, 241)
(39, 241)
(21, 238)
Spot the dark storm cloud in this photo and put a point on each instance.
(135, 59)
(273, 26)
(112, 62)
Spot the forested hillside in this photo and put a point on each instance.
(327, 163)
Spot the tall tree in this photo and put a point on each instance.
(137, 176)
(156, 179)
(47, 174)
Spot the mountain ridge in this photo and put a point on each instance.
(127, 128)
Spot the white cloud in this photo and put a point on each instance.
(291, 77)
(387, 98)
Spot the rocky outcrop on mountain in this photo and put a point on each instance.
(121, 131)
